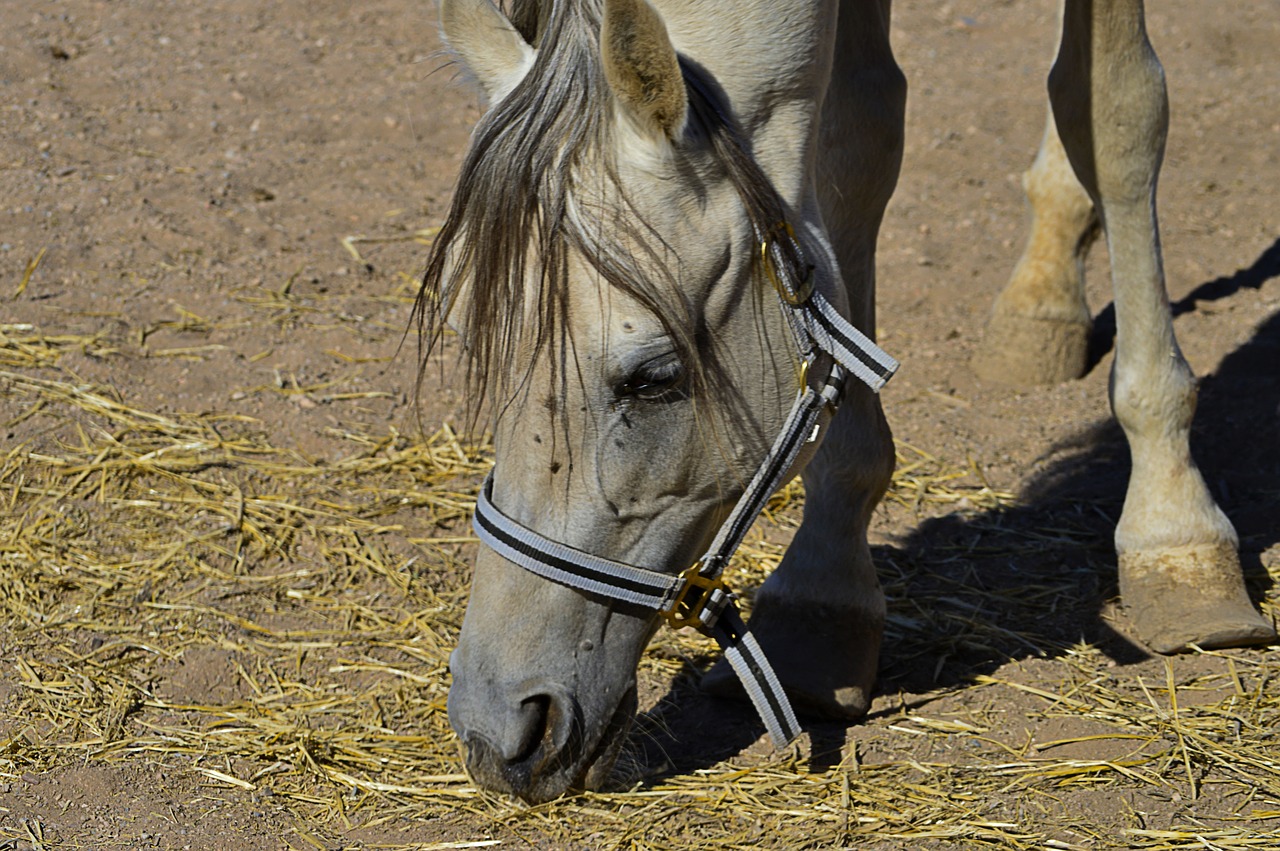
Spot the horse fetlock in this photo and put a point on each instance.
(825, 656)
(1024, 350)
(1189, 595)
(1168, 504)
(1039, 329)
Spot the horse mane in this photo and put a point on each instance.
(515, 206)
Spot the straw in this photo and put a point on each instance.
(134, 542)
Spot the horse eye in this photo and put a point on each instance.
(661, 379)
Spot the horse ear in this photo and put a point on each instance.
(641, 66)
(493, 50)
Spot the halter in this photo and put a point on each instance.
(698, 597)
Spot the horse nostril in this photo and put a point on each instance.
(534, 712)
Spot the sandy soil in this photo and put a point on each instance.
(168, 172)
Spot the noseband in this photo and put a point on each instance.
(698, 597)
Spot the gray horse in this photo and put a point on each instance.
(603, 263)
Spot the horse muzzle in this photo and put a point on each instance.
(533, 742)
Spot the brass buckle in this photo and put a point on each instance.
(687, 604)
(798, 298)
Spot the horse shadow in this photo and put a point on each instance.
(970, 592)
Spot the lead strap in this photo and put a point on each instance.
(758, 678)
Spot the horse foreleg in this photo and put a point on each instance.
(1180, 575)
(820, 616)
(821, 613)
(1038, 332)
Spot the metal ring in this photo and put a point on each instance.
(800, 296)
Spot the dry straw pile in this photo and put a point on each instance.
(328, 595)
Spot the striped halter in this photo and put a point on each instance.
(698, 596)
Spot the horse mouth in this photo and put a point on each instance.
(599, 766)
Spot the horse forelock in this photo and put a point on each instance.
(524, 204)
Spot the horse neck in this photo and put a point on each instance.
(771, 59)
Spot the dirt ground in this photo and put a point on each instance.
(220, 211)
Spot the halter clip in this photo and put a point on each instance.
(687, 607)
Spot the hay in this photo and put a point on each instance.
(136, 540)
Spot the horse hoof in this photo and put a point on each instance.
(826, 659)
(1024, 351)
(1192, 596)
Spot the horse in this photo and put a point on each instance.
(661, 245)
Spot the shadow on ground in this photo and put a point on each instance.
(970, 592)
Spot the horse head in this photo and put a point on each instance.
(601, 263)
